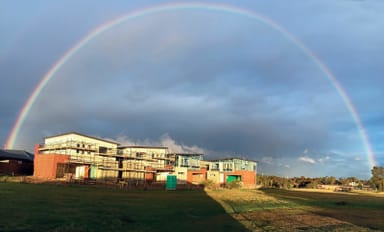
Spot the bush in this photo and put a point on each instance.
(210, 184)
(234, 184)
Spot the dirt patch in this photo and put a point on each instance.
(300, 211)
(292, 220)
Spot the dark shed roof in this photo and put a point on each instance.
(16, 155)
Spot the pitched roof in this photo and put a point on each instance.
(16, 155)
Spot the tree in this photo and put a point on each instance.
(377, 179)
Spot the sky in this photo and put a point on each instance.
(203, 79)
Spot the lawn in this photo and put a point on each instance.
(288, 210)
(49, 207)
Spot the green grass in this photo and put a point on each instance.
(49, 207)
(29, 207)
(358, 209)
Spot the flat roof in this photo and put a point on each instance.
(186, 154)
(135, 146)
(232, 158)
(88, 136)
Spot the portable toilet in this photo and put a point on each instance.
(171, 182)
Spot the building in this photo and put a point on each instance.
(77, 156)
(74, 155)
(224, 171)
(188, 168)
(144, 162)
(16, 162)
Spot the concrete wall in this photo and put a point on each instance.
(214, 176)
(181, 175)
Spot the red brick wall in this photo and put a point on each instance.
(247, 177)
(191, 173)
(45, 165)
(149, 176)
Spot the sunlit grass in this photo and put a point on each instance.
(283, 210)
(48, 207)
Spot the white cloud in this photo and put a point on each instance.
(267, 160)
(164, 140)
(287, 166)
(323, 159)
(307, 159)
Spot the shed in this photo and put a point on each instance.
(16, 162)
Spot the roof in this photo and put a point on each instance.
(232, 158)
(16, 155)
(134, 146)
(88, 136)
(187, 154)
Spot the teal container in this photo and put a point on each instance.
(171, 183)
(93, 172)
(233, 178)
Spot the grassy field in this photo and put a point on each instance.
(284, 210)
(48, 207)
(43, 207)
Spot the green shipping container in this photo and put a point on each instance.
(233, 178)
(171, 183)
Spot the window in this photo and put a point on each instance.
(103, 150)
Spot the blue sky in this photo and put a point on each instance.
(200, 80)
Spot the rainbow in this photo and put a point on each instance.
(183, 6)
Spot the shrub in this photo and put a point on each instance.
(209, 184)
(234, 184)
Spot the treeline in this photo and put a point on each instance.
(375, 183)
(377, 179)
(307, 182)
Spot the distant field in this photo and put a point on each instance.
(284, 210)
(43, 207)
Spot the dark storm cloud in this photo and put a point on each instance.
(210, 80)
(197, 85)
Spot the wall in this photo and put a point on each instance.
(150, 156)
(196, 176)
(67, 144)
(45, 165)
(247, 177)
(214, 176)
(107, 175)
(16, 167)
(181, 175)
